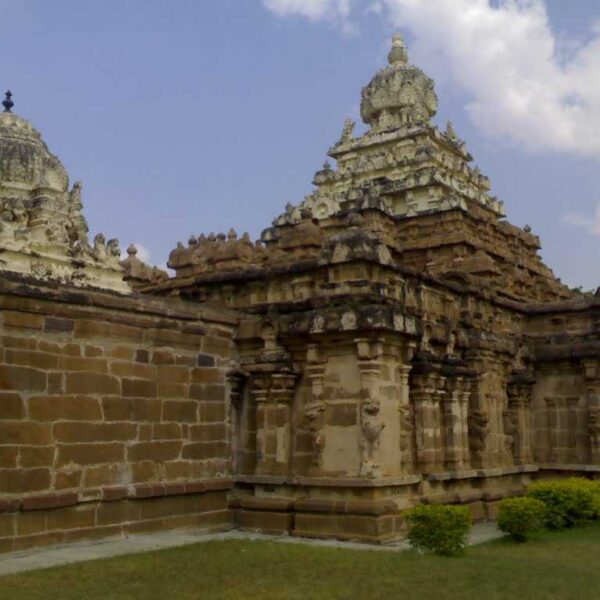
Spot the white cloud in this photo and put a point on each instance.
(590, 224)
(521, 82)
(142, 253)
(315, 10)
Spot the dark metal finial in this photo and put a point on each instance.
(8, 103)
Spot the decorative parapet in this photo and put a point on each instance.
(138, 273)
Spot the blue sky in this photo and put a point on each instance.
(186, 117)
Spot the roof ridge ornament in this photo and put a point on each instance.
(398, 55)
(7, 102)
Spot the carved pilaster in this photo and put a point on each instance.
(478, 423)
(405, 409)
(441, 391)
(552, 432)
(518, 418)
(455, 404)
(236, 379)
(371, 424)
(314, 409)
(427, 393)
(273, 392)
(592, 385)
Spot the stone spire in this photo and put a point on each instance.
(399, 95)
(403, 165)
(398, 53)
(43, 233)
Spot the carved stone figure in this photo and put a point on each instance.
(100, 251)
(510, 419)
(450, 133)
(13, 221)
(406, 427)
(313, 415)
(347, 132)
(371, 427)
(478, 430)
(113, 247)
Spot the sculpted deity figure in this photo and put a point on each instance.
(19, 213)
(406, 427)
(348, 131)
(75, 194)
(113, 247)
(13, 219)
(100, 251)
(371, 428)
(478, 431)
(510, 420)
(450, 132)
(313, 416)
(451, 345)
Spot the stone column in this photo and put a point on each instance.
(371, 424)
(464, 401)
(236, 379)
(406, 419)
(553, 433)
(427, 393)
(592, 385)
(273, 394)
(438, 421)
(519, 393)
(478, 424)
(572, 423)
(455, 407)
(315, 407)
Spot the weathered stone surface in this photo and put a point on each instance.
(43, 233)
(85, 422)
(394, 342)
(397, 331)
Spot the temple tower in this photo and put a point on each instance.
(43, 233)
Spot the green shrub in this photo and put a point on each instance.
(439, 528)
(568, 501)
(520, 517)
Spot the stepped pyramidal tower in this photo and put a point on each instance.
(416, 190)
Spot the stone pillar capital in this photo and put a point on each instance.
(273, 385)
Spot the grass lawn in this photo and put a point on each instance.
(563, 565)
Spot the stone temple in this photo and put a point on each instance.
(391, 339)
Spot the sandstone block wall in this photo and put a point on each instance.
(113, 415)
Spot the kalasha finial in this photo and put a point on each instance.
(8, 103)
(398, 53)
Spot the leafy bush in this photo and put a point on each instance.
(439, 528)
(520, 517)
(568, 502)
